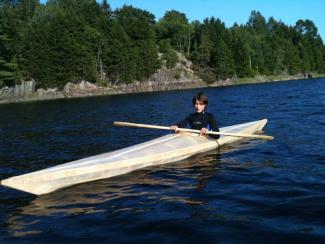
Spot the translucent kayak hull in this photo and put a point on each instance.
(165, 149)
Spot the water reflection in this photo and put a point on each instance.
(135, 192)
(84, 198)
(275, 188)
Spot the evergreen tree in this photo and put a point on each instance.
(72, 40)
(204, 50)
(257, 22)
(139, 27)
(174, 26)
(168, 53)
(9, 73)
(57, 49)
(241, 56)
(222, 60)
(292, 60)
(8, 67)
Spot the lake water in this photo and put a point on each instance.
(253, 191)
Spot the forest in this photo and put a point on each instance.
(72, 40)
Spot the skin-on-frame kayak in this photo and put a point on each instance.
(165, 149)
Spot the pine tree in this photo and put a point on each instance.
(57, 50)
(9, 73)
(139, 27)
(222, 60)
(257, 22)
(72, 40)
(241, 56)
(204, 50)
(174, 26)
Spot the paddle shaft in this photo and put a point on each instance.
(191, 130)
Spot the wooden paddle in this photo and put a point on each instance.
(194, 131)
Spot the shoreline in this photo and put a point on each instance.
(120, 91)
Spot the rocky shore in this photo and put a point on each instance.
(26, 90)
(180, 77)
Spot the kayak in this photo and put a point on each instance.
(165, 149)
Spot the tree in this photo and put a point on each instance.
(222, 60)
(168, 53)
(204, 50)
(72, 40)
(8, 67)
(257, 22)
(174, 26)
(292, 60)
(311, 40)
(139, 27)
(241, 56)
(106, 9)
(9, 72)
(57, 49)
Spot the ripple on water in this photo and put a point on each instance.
(249, 191)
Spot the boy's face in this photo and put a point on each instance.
(199, 107)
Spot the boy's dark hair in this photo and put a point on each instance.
(201, 97)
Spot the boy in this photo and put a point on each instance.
(200, 120)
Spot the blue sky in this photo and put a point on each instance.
(231, 11)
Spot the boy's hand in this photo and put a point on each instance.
(174, 128)
(203, 131)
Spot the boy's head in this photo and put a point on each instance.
(200, 101)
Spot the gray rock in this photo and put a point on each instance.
(83, 88)
(48, 93)
(24, 89)
(6, 91)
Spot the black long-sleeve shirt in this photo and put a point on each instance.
(201, 120)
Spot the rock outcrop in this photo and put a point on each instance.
(180, 77)
(50, 93)
(163, 80)
(24, 89)
(84, 88)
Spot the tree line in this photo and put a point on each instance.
(71, 40)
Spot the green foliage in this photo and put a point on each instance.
(207, 75)
(8, 67)
(169, 53)
(261, 47)
(171, 59)
(71, 40)
(142, 60)
(222, 60)
(292, 60)
(204, 51)
(58, 44)
(177, 75)
(257, 22)
(174, 26)
(7, 72)
(242, 58)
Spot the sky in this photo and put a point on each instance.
(231, 11)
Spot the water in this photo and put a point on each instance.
(253, 191)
